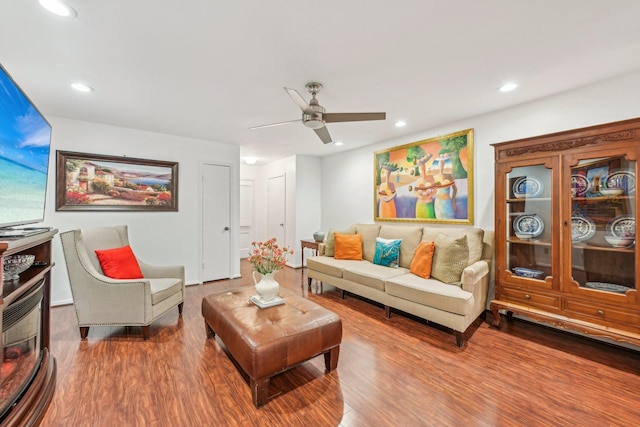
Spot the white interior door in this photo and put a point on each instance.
(216, 214)
(276, 208)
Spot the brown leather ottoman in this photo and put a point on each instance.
(268, 341)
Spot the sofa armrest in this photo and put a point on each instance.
(321, 247)
(155, 271)
(472, 276)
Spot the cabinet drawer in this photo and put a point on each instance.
(602, 313)
(533, 299)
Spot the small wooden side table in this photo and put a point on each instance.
(311, 244)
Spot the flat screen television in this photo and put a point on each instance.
(25, 142)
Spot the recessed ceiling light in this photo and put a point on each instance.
(401, 123)
(81, 87)
(508, 87)
(338, 143)
(250, 160)
(59, 8)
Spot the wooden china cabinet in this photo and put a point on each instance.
(565, 230)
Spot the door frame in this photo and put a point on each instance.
(252, 226)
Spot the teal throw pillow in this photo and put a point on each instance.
(387, 252)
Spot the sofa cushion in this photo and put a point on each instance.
(431, 292)
(330, 265)
(372, 275)
(348, 246)
(369, 233)
(474, 238)
(423, 260)
(329, 245)
(410, 236)
(387, 252)
(450, 258)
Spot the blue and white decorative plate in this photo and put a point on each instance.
(582, 228)
(526, 272)
(528, 226)
(611, 287)
(526, 186)
(579, 185)
(623, 178)
(622, 226)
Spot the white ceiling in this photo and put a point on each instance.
(211, 69)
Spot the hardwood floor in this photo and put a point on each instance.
(391, 372)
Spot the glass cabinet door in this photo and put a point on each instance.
(529, 222)
(603, 224)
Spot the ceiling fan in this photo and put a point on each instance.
(314, 116)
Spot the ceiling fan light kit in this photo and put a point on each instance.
(314, 115)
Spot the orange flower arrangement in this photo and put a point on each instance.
(268, 257)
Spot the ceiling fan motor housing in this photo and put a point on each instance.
(313, 116)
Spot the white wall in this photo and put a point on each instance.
(156, 237)
(347, 178)
(308, 202)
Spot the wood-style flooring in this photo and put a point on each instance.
(391, 372)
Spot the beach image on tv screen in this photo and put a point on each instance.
(24, 156)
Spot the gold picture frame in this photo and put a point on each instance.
(426, 181)
(96, 182)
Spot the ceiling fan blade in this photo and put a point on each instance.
(298, 99)
(323, 133)
(352, 117)
(275, 124)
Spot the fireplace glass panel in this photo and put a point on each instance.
(21, 351)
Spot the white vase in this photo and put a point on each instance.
(267, 288)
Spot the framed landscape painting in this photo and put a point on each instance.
(426, 181)
(95, 182)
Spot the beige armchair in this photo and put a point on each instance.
(100, 300)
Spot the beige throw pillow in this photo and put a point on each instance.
(450, 258)
(329, 246)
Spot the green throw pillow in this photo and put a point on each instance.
(450, 258)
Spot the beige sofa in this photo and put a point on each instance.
(454, 305)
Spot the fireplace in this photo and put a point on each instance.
(21, 345)
(27, 369)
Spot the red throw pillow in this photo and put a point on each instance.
(119, 263)
(422, 259)
(348, 246)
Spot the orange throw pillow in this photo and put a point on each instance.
(422, 259)
(348, 246)
(119, 263)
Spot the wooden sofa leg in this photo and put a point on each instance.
(145, 332)
(309, 279)
(84, 331)
(459, 338)
(180, 307)
(341, 293)
(387, 312)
